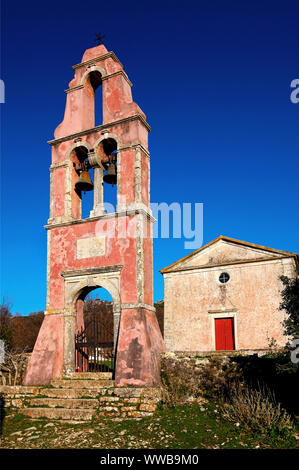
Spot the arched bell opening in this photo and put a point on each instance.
(94, 337)
(83, 182)
(107, 151)
(95, 79)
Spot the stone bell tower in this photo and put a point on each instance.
(111, 250)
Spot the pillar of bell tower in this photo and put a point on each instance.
(109, 249)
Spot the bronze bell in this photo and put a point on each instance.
(111, 177)
(84, 182)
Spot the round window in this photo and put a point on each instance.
(224, 277)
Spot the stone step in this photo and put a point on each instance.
(18, 389)
(70, 393)
(91, 375)
(81, 383)
(70, 403)
(59, 413)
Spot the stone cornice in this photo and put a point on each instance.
(135, 145)
(106, 77)
(98, 59)
(92, 271)
(138, 305)
(125, 213)
(99, 128)
(227, 263)
(63, 164)
(223, 310)
(74, 88)
(119, 72)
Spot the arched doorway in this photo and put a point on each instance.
(94, 337)
(78, 284)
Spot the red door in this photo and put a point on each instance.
(224, 334)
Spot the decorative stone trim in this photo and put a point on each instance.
(75, 88)
(224, 314)
(48, 266)
(138, 305)
(136, 145)
(54, 223)
(99, 128)
(137, 176)
(224, 310)
(54, 166)
(51, 197)
(119, 72)
(226, 263)
(119, 180)
(98, 59)
(98, 270)
(68, 191)
(76, 281)
(106, 77)
(139, 259)
(53, 312)
(98, 194)
(59, 221)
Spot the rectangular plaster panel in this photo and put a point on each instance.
(91, 247)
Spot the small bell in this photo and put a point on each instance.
(84, 182)
(111, 177)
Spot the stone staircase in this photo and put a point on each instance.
(81, 397)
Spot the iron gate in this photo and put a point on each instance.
(94, 345)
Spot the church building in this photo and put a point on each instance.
(226, 296)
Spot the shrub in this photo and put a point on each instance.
(217, 376)
(14, 368)
(290, 303)
(258, 410)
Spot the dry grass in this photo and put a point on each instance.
(257, 409)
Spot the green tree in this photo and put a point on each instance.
(290, 303)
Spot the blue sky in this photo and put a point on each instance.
(214, 81)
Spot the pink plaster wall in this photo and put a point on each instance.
(145, 178)
(127, 175)
(47, 359)
(139, 347)
(58, 192)
(148, 265)
(64, 257)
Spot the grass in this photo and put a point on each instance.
(108, 363)
(182, 427)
